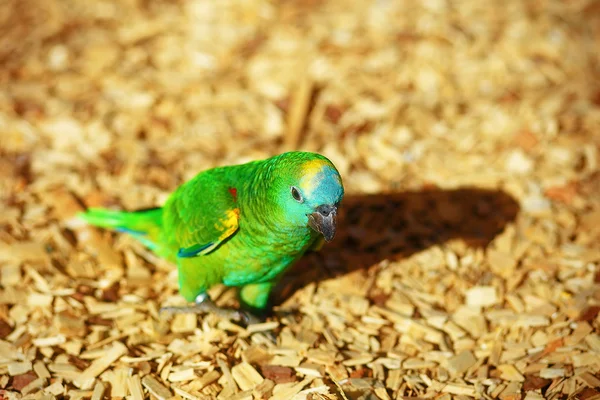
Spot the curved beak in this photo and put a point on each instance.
(323, 220)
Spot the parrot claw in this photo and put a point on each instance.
(248, 318)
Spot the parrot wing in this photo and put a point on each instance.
(202, 215)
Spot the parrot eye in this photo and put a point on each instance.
(296, 194)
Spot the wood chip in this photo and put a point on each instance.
(135, 387)
(310, 370)
(24, 251)
(278, 373)
(361, 360)
(22, 380)
(98, 392)
(56, 389)
(40, 369)
(183, 323)
(156, 388)
(99, 365)
(510, 373)
(551, 373)
(285, 391)
(264, 389)
(207, 379)
(265, 326)
(246, 376)
(585, 359)
(19, 368)
(481, 296)
(49, 341)
(533, 382)
(461, 362)
(298, 111)
(458, 389)
(182, 375)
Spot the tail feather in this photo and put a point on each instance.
(144, 225)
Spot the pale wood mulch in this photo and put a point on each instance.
(467, 259)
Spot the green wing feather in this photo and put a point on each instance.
(201, 214)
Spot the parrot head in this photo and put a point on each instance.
(309, 190)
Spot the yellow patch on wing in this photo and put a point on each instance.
(309, 170)
(228, 224)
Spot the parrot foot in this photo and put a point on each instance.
(204, 304)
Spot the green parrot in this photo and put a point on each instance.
(240, 225)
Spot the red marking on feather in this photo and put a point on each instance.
(233, 192)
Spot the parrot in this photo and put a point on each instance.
(240, 225)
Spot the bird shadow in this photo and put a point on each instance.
(377, 227)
